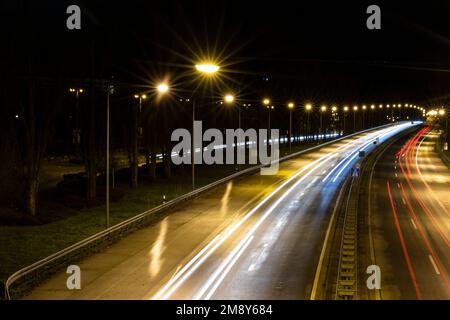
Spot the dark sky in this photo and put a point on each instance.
(310, 50)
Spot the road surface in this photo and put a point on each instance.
(410, 210)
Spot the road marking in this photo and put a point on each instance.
(404, 202)
(402, 242)
(434, 264)
(414, 224)
(227, 270)
(322, 253)
(398, 185)
(396, 175)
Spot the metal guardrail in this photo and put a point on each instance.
(133, 223)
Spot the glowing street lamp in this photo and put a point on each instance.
(290, 106)
(322, 110)
(76, 132)
(229, 98)
(207, 68)
(140, 97)
(308, 109)
(162, 88)
(355, 108)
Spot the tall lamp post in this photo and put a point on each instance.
(266, 102)
(140, 97)
(364, 108)
(308, 109)
(109, 91)
(333, 116)
(290, 106)
(355, 108)
(443, 113)
(229, 99)
(206, 69)
(76, 131)
(322, 110)
(345, 116)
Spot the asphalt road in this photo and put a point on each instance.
(258, 237)
(410, 212)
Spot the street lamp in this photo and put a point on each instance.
(229, 99)
(345, 115)
(363, 116)
(140, 97)
(207, 69)
(76, 132)
(355, 108)
(266, 102)
(308, 109)
(442, 113)
(290, 106)
(109, 92)
(322, 110)
(162, 88)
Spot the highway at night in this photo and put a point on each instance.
(258, 236)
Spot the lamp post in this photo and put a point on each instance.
(290, 106)
(140, 97)
(76, 131)
(355, 108)
(109, 91)
(206, 69)
(333, 118)
(443, 113)
(345, 116)
(266, 102)
(364, 108)
(322, 110)
(308, 109)
(229, 99)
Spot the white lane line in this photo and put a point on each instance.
(183, 273)
(227, 270)
(404, 202)
(434, 264)
(396, 175)
(259, 258)
(398, 185)
(414, 224)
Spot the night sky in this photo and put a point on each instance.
(310, 50)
